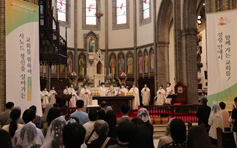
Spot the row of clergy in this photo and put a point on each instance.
(86, 96)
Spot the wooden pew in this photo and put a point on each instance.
(225, 139)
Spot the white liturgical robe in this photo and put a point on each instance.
(123, 91)
(65, 91)
(85, 95)
(145, 95)
(136, 100)
(160, 97)
(52, 96)
(111, 92)
(168, 92)
(103, 91)
(45, 96)
(74, 98)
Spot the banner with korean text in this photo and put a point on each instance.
(22, 54)
(222, 57)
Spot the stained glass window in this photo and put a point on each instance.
(61, 7)
(90, 12)
(146, 9)
(121, 11)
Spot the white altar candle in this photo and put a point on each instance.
(105, 71)
(109, 70)
(87, 71)
(82, 73)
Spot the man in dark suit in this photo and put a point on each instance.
(124, 109)
(203, 112)
(4, 116)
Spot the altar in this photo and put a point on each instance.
(115, 101)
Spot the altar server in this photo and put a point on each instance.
(103, 90)
(168, 92)
(65, 91)
(74, 98)
(160, 96)
(52, 96)
(45, 96)
(111, 91)
(85, 95)
(136, 101)
(123, 90)
(145, 95)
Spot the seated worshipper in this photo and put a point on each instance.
(56, 105)
(124, 132)
(101, 114)
(103, 89)
(53, 138)
(101, 127)
(111, 91)
(198, 138)
(136, 101)
(110, 118)
(53, 114)
(5, 139)
(82, 116)
(20, 120)
(203, 113)
(142, 138)
(13, 126)
(73, 135)
(178, 134)
(74, 98)
(144, 115)
(85, 95)
(66, 91)
(89, 126)
(145, 95)
(160, 96)
(167, 138)
(45, 96)
(215, 120)
(225, 115)
(44, 117)
(103, 105)
(37, 118)
(4, 116)
(231, 119)
(29, 136)
(52, 95)
(168, 91)
(123, 90)
(124, 110)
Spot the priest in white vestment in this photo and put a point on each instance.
(45, 96)
(65, 91)
(160, 96)
(52, 96)
(145, 95)
(85, 95)
(168, 92)
(111, 91)
(103, 90)
(123, 90)
(136, 101)
(74, 98)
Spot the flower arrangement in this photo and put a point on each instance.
(87, 81)
(110, 80)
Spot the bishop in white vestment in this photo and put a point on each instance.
(45, 96)
(85, 95)
(168, 92)
(103, 90)
(136, 101)
(145, 95)
(52, 96)
(65, 91)
(111, 91)
(74, 98)
(160, 96)
(123, 90)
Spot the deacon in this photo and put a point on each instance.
(85, 95)
(168, 92)
(136, 101)
(74, 98)
(52, 96)
(160, 96)
(111, 91)
(145, 95)
(65, 91)
(123, 90)
(45, 96)
(102, 89)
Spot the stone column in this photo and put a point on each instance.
(135, 41)
(106, 38)
(155, 39)
(75, 36)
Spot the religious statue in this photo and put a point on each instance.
(146, 58)
(121, 64)
(152, 57)
(99, 68)
(91, 44)
(130, 64)
(82, 65)
(69, 63)
(112, 64)
(140, 63)
(61, 69)
(44, 68)
(53, 69)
